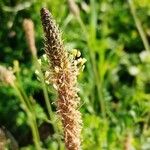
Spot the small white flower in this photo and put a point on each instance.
(145, 56)
(133, 70)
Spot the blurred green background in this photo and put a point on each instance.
(115, 84)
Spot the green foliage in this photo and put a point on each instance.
(115, 85)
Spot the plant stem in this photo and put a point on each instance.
(20, 87)
(92, 57)
(139, 25)
(34, 129)
(31, 122)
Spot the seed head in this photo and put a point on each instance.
(64, 79)
(28, 26)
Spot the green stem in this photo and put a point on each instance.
(21, 98)
(26, 99)
(31, 122)
(34, 129)
(21, 89)
(92, 58)
(139, 25)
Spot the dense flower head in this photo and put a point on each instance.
(53, 44)
(64, 69)
(28, 26)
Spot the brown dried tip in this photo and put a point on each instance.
(28, 26)
(6, 76)
(64, 79)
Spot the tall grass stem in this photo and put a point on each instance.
(97, 82)
(32, 123)
(139, 25)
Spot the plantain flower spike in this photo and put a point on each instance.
(64, 71)
(28, 26)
